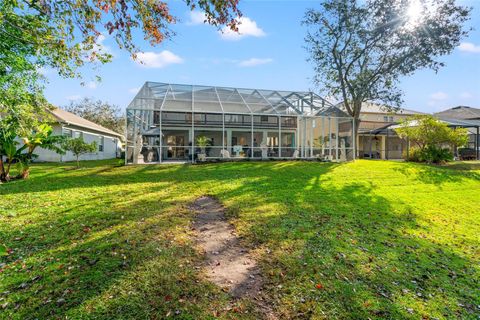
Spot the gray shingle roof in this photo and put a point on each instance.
(460, 112)
(72, 119)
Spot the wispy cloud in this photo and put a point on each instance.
(73, 97)
(437, 98)
(439, 95)
(134, 90)
(246, 28)
(469, 47)
(91, 85)
(252, 62)
(157, 60)
(196, 18)
(466, 95)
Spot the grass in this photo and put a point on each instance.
(370, 239)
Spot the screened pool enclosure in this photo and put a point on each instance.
(171, 122)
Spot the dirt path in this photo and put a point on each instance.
(227, 263)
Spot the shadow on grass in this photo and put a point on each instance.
(438, 175)
(356, 245)
(126, 252)
(123, 263)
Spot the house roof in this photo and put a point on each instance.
(72, 119)
(211, 99)
(368, 107)
(460, 112)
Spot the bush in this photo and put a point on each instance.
(431, 154)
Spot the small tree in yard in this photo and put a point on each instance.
(361, 49)
(78, 147)
(430, 136)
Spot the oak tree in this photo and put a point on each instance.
(361, 49)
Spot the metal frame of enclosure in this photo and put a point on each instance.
(165, 121)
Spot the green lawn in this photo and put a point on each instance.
(370, 239)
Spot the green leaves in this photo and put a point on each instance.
(360, 49)
(78, 147)
(3, 251)
(108, 115)
(430, 135)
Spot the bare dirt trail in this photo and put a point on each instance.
(227, 263)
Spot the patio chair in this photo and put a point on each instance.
(225, 154)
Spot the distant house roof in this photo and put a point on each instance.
(72, 119)
(368, 107)
(460, 112)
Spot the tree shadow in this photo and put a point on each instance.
(356, 245)
(439, 175)
(306, 229)
(125, 263)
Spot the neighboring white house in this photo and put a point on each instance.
(68, 124)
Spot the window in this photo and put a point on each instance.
(67, 132)
(391, 118)
(78, 134)
(101, 143)
(385, 118)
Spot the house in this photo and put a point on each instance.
(71, 125)
(466, 117)
(165, 122)
(375, 139)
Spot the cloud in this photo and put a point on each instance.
(91, 85)
(246, 28)
(134, 90)
(196, 18)
(437, 98)
(466, 95)
(252, 62)
(157, 60)
(74, 97)
(469, 47)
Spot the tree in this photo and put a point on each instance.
(361, 49)
(8, 146)
(430, 136)
(11, 150)
(78, 147)
(42, 137)
(108, 115)
(65, 35)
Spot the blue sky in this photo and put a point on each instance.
(269, 55)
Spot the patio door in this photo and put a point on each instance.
(176, 147)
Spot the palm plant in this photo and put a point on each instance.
(8, 148)
(42, 137)
(202, 142)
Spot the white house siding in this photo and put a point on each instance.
(111, 147)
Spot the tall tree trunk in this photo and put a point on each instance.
(7, 170)
(357, 107)
(2, 169)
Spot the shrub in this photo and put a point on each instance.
(429, 137)
(430, 154)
